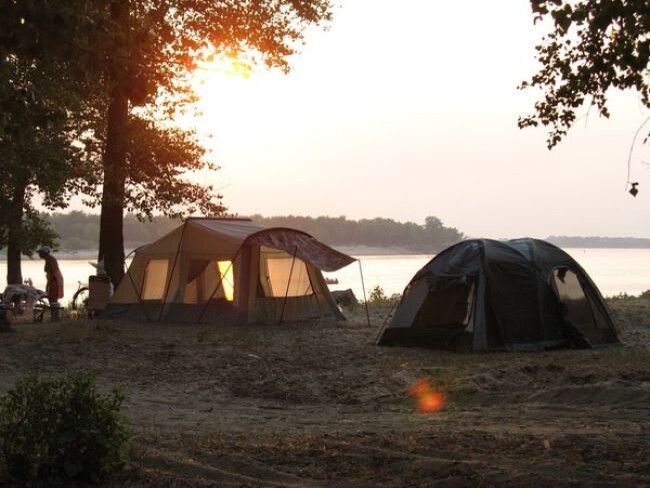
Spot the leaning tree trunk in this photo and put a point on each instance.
(14, 233)
(111, 234)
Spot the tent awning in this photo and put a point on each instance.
(304, 247)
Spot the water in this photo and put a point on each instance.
(614, 271)
(392, 273)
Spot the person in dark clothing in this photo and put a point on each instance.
(54, 285)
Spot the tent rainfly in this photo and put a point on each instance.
(483, 294)
(212, 270)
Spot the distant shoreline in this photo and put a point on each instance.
(357, 250)
(81, 254)
(78, 233)
(362, 250)
(599, 242)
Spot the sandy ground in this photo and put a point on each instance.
(318, 404)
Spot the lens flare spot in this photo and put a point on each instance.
(428, 399)
(421, 387)
(432, 402)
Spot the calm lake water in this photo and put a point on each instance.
(614, 271)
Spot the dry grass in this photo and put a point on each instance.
(81, 331)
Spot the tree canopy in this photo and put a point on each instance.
(133, 61)
(594, 45)
(147, 52)
(42, 132)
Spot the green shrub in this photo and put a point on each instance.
(378, 297)
(621, 297)
(61, 430)
(627, 297)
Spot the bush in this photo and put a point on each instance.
(627, 297)
(378, 297)
(61, 430)
(622, 297)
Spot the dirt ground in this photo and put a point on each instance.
(318, 404)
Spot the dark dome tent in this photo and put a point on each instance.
(230, 271)
(482, 294)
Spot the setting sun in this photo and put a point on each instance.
(222, 65)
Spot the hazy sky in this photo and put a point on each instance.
(407, 109)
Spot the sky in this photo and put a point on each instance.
(408, 109)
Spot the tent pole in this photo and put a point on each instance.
(232, 262)
(171, 275)
(386, 319)
(286, 293)
(363, 287)
(135, 288)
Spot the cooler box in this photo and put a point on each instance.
(99, 292)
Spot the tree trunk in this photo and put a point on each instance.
(14, 268)
(111, 234)
(15, 227)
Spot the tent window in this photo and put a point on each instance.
(278, 273)
(572, 296)
(203, 279)
(155, 279)
(448, 305)
(228, 279)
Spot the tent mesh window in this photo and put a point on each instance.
(282, 274)
(571, 294)
(204, 280)
(155, 279)
(448, 304)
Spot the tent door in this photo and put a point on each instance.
(573, 301)
(579, 306)
(448, 308)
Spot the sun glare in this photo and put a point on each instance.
(219, 83)
(220, 67)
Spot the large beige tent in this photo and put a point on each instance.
(212, 270)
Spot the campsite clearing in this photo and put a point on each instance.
(318, 404)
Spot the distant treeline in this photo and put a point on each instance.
(78, 230)
(432, 236)
(600, 242)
